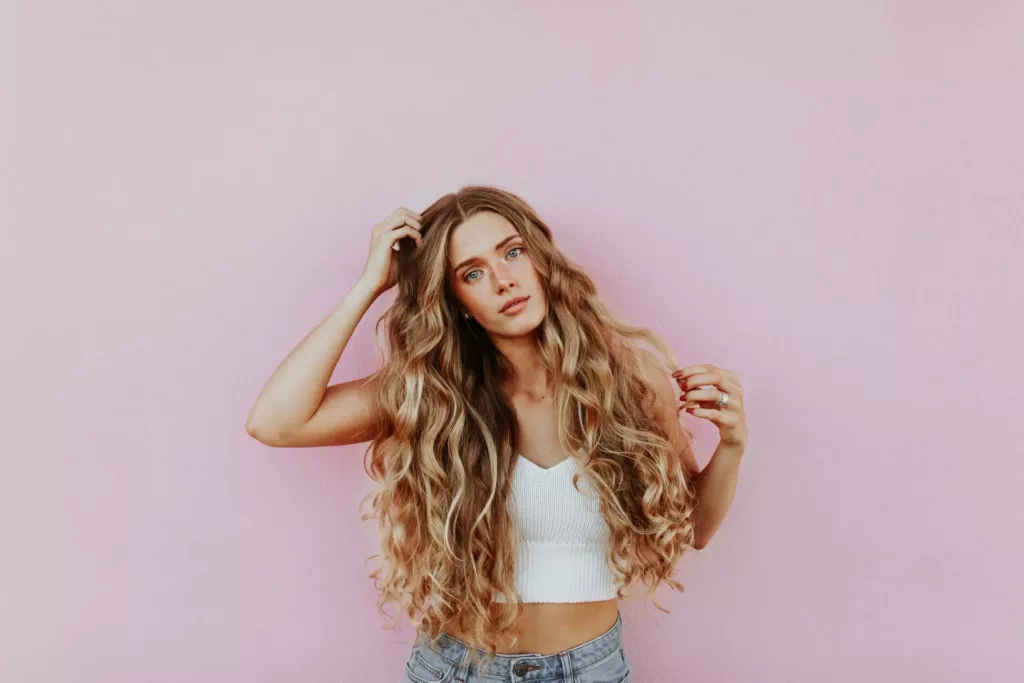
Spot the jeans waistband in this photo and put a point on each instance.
(534, 666)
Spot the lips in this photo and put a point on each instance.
(512, 302)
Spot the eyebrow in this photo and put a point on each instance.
(473, 259)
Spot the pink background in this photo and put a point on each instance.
(827, 198)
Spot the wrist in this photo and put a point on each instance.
(732, 450)
(366, 290)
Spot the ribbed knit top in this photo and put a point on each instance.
(563, 551)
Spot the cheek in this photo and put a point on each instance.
(543, 298)
(535, 278)
(472, 298)
(529, 272)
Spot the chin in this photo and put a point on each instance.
(524, 323)
(530, 321)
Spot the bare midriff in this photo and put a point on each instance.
(547, 628)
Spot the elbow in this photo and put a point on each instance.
(262, 434)
(252, 428)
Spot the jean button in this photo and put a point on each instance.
(521, 668)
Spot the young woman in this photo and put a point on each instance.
(528, 449)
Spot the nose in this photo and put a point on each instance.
(503, 278)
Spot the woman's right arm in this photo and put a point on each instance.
(296, 407)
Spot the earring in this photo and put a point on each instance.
(467, 315)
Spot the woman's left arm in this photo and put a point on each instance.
(715, 394)
(703, 387)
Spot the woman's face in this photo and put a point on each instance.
(490, 268)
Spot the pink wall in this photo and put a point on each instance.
(826, 197)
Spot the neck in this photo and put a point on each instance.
(529, 376)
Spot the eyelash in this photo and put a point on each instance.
(465, 277)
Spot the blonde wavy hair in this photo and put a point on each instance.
(446, 452)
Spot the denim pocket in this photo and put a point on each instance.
(613, 668)
(426, 666)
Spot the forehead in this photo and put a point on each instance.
(477, 236)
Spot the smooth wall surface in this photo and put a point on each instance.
(827, 198)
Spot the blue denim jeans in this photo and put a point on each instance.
(601, 660)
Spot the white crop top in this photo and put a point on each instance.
(562, 555)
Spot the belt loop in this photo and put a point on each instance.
(567, 671)
(462, 672)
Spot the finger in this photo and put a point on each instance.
(719, 417)
(404, 231)
(712, 394)
(697, 395)
(689, 370)
(701, 379)
(406, 212)
(711, 380)
(711, 405)
(397, 220)
(408, 220)
(683, 373)
(731, 406)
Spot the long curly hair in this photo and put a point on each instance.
(445, 455)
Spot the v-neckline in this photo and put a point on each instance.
(542, 469)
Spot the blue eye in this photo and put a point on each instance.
(467, 278)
